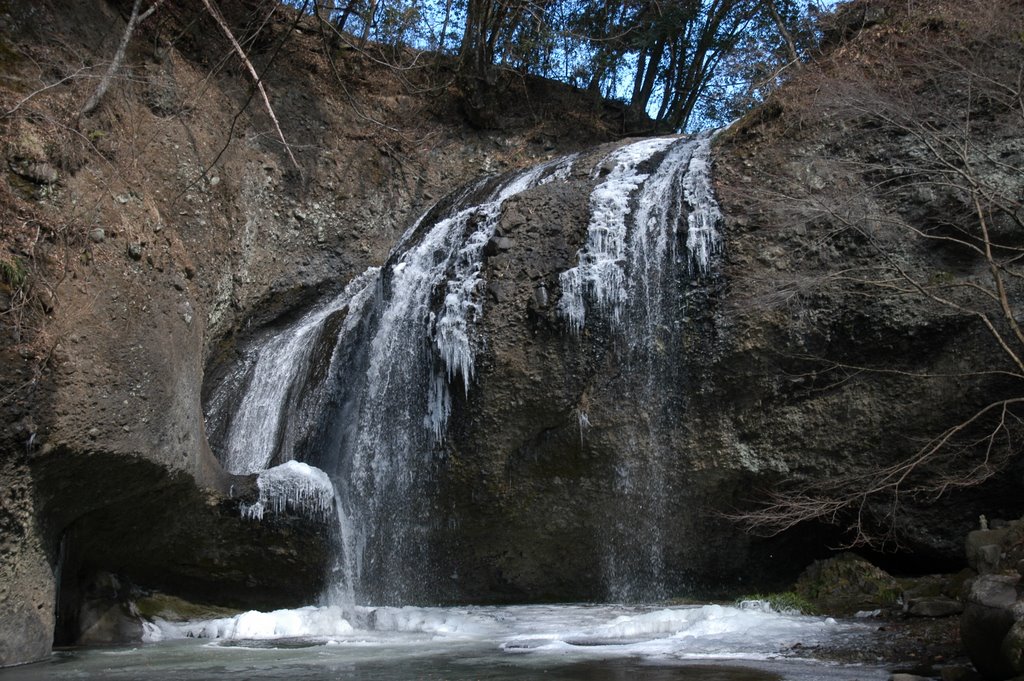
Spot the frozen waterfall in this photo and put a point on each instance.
(363, 387)
(631, 274)
(623, 247)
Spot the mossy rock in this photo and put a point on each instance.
(934, 586)
(846, 584)
(785, 602)
(174, 609)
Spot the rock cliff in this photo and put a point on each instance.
(143, 240)
(166, 233)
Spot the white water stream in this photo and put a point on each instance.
(376, 419)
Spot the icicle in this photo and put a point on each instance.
(600, 273)
(702, 240)
(624, 254)
(292, 487)
(463, 302)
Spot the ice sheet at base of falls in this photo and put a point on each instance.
(601, 631)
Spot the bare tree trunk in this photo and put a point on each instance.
(794, 56)
(115, 65)
(255, 76)
(345, 14)
(371, 12)
(439, 48)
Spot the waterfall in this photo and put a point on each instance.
(630, 273)
(380, 409)
(265, 427)
(362, 387)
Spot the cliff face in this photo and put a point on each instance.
(851, 374)
(144, 239)
(163, 234)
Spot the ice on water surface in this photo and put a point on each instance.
(680, 632)
(507, 643)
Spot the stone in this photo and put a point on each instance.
(36, 171)
(939, 606)
(109, 624)
(983, 549)
(540, 296)
(1012, 647)
(957, 673)
(987, 619)
(497, 245)
(846, 584)
(97, 235)
(135, 251)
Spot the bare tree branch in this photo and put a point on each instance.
(215, 13)
(115, 64)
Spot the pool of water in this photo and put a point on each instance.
(557, 643)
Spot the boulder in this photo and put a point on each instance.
(846, 584)
(1012, 647)
(987, 620)
(937, 606)
(985, 548)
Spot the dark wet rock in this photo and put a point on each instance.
(104, 616)
(989, 615)
(936, 606)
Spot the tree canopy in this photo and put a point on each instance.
(686, 63)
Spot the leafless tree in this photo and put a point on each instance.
(950, 104)
(137, 16)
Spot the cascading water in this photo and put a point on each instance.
(384, 401)
(266, 425)
(371, 407)
(347, 411)
(629, 272)
(360, 389)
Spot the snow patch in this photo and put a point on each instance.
(292, 487)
